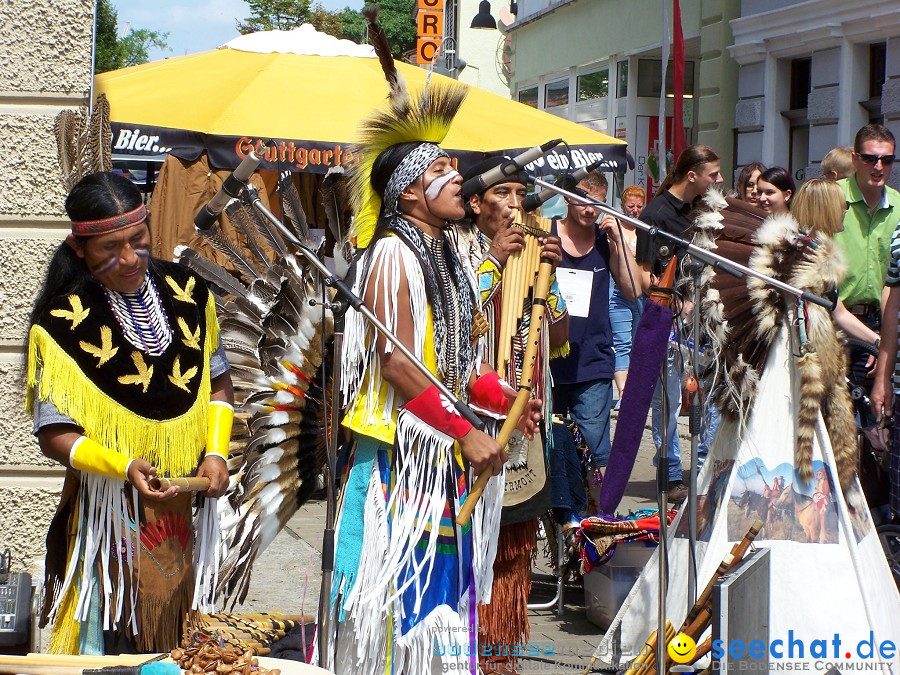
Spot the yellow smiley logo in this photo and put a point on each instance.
(682, 648)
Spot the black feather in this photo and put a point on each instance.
(222, 243)
(212, 272)
(292, 208)
(238, 216)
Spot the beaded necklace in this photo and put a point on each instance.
(142, 317)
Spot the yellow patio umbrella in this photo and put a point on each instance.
(308, 92)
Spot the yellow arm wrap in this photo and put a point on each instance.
(218, 433)
(89, 455)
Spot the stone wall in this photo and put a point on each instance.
(45, 66)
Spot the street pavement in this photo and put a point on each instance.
(288, 577)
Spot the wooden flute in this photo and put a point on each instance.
(186, 484)
(538, 307)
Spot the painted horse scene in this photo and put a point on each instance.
(789, 508)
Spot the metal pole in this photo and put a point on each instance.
(662, 500)
(93, 60)
(696, 417)
(328, 538)
(707, 257)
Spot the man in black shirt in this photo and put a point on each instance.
(697, 169)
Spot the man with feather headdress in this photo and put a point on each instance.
(407, 579)
(126, 378)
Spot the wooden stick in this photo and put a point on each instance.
(187, 484)
(703, 649)
(256, 616)
(66, 664)
(730, 560)
(538, 307)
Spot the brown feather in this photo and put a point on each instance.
(377, 37)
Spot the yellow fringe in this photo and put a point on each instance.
(173, 445)
(65, 634)
(560, 352)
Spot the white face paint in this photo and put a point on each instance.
(439, 183)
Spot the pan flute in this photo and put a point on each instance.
(518, 279)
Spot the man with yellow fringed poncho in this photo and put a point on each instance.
(127, 380)
(408, 579)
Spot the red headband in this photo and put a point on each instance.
(90, 228)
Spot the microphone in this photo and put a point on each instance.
(566, 181)
(231, 188)
(498, 173)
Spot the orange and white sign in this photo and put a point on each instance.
(429, 29)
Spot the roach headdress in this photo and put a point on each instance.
(422, 122)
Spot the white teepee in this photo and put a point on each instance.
(828, 574)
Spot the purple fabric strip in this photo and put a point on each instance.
(473, 619)
(648, 352)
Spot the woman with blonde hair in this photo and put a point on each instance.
(818, 207)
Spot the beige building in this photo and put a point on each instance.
(598, 63)
(45, 66)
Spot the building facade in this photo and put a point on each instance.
(484, 51)
(598, 63)
(45, 66)
(810, 74)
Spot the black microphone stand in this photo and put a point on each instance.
(701, 257)
(251, 196)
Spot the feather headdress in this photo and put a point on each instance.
(404, 120)
(83, 141)
(741, 318)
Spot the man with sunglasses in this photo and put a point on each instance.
(873, 213)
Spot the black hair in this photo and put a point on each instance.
(94, 197)
(780, 178)
(382, 169)
(744, 178)
(488, 163)
(385, 164)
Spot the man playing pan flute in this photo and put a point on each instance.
(489, 246)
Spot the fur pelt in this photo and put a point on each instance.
(740, 337)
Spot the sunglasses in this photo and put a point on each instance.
(887, 160)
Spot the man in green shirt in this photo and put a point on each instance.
(873, 213)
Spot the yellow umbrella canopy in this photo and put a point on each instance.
(308, 92)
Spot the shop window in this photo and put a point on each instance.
(877, 68)
(593, 85)
(529, 96)
(556, 94)
(650, 78)
(800, 83)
